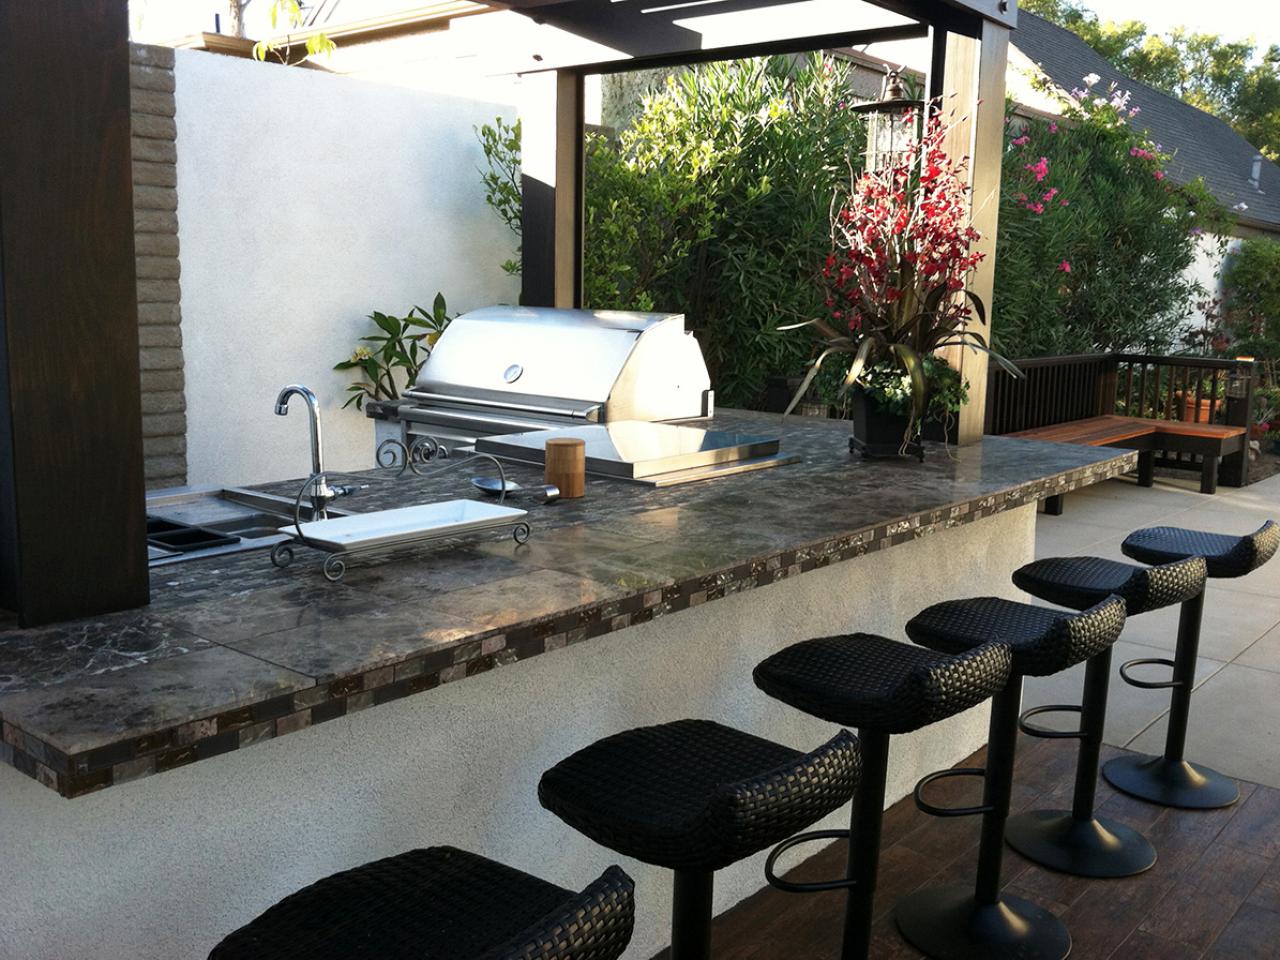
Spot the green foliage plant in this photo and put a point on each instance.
(500, 175)
(282, 48)
(715, 202)
(1095, 238)
(1251, 304)
(389, 359)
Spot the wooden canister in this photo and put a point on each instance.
(567, 466)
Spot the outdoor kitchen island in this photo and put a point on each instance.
(254, 728)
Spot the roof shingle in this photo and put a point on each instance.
(1202, 145)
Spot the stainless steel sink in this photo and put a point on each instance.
(190, 523)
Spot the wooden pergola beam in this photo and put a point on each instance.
(72, 500)
(973, 85)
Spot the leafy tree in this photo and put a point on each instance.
(1230, 79)
(715, 202)
(1094, 238)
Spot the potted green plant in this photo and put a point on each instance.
(902, 250)
(389, 359)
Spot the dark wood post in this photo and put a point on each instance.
(1241, 386)
(72, 500)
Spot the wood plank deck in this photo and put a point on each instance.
(1214, 894)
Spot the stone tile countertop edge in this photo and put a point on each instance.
(198, 676)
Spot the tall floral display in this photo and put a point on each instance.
(903, 248)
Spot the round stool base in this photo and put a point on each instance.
(1082, 848)
(1170, 783)
(947, 924)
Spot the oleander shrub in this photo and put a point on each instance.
(715, 202)
(1094, 236)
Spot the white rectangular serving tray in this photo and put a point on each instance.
(383, 528)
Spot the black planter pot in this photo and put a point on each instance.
(879, 435)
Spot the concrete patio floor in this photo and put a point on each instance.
(1235, 713)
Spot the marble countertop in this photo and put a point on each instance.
(232, 650)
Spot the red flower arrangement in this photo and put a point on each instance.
(903, 247)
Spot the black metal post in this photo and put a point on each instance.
(997, 789)
(866, 820)
(1093, 717)
(691, 915)
(1184, 676)
(960, 923)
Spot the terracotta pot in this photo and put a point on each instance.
(1187, 411)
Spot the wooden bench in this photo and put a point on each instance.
(1210, 441)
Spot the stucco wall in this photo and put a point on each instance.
(308, 201)
(161, 868)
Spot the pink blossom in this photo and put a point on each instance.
(1021, 141)
(1064, 202)
(1037, 207)
(1053, 127)
(1065, 266)
(1040, 168)
(1159, 174)
(1053, 192)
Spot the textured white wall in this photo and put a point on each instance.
(307, 201)
(161, 868)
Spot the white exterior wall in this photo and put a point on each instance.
(306, 202)
(162, 868)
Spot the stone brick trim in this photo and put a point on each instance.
(155, 220)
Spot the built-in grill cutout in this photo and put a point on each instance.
(505, 370)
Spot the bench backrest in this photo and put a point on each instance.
(1061, 389)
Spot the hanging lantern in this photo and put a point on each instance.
(891, 123)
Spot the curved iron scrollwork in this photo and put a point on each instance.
(425, 457)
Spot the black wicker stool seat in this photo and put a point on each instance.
(1081, 582)
(697, 796)
(865, 681)
(440, 904)
(1042, 641)
(1225, 555)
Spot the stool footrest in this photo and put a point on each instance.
(1148, 684)
(929, 808)
(1045, 733)
(815, 886)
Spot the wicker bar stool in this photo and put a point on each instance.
(1076, 841)
(440, 903)
(882, 687)
(958, 923)
(694, 796)
(1170, 779)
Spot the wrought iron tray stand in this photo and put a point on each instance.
(422, 458)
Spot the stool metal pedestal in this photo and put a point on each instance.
(1170, 779)
(1075, 841)
(980, 923)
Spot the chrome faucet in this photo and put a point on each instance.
(321, 493)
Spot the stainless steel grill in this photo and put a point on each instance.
(514, 369)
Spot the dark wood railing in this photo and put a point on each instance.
(1061, 389)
